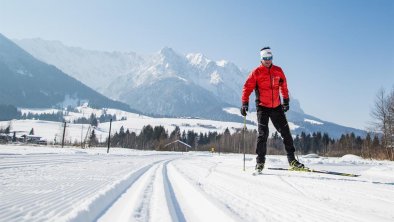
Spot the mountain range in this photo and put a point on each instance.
(165, 83)
(122, 76)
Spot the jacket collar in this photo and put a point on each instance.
(267, 68)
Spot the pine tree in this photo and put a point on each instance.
(303, 142)
(159, 133)
(325, 141)
(7, 130)
(146, 137)
(176, 133)
(93, 139)
(191, 137)
(93, 120)
(31, 131)
(183, 138)
(297, 142)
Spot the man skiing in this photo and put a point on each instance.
(269, 81)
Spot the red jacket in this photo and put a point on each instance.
(267, 82)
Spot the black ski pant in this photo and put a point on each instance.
(279, 120)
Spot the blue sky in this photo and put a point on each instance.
(336, 54)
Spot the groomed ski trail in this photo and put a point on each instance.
(163, 194)
(146, 199)
(129, 185)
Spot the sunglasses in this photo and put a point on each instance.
(267, 58)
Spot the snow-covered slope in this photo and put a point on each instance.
(54, 184)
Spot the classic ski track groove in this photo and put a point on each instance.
(142, 210)
(172, 203)
(215, 206)
(139, 208)
(292, 186)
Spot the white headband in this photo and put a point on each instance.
(265, 53)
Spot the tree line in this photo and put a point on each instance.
(94, 120)
(9, 112)
(157, 138)
(54, 116)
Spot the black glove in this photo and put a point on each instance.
(285, 105)
(244, 109)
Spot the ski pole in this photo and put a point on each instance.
(297, 151)
(244, 139)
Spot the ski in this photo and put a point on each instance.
(316, 171)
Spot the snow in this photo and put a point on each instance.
(222, 63)
(311, 155)
(351, 157)
(183, 79)
(197, 59)
(215, 78)
(55, 184)
(314, 122)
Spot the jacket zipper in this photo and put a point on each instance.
(272, 88)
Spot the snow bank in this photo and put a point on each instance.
(311, 155)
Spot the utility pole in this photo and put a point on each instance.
(64, 133)
(83, 116)
(218, 143)
(109, 135)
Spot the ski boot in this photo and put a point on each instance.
(297, 166)
(259, 168)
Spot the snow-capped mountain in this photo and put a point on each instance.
(116, 73)
(28, 82)
(96, 69)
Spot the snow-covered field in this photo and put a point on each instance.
(55, 184)
(52, 131)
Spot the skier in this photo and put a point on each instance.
(268, 80)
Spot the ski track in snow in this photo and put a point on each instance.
(267, 197)
(129, 185)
